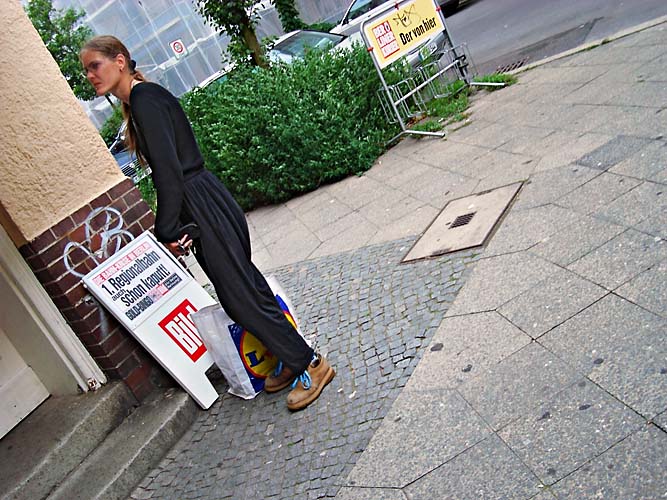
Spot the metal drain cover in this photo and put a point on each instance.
(464, 223)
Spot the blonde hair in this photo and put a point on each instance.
(110, 46)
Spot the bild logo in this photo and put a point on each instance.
(181, 329)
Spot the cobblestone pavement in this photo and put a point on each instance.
(373, 316)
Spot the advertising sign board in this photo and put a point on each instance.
(152, 295)
(398, 30)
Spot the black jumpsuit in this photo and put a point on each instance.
(186, 192)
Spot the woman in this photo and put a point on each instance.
(160, 134)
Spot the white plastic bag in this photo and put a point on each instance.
(241, 357)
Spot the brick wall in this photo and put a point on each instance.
(109, 343)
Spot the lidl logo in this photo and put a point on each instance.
(258, 361)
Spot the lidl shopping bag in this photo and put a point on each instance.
(243, 360)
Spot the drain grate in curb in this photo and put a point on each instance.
(506, 68)
(464, 223)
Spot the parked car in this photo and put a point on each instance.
(362, 10)
(217, 77)
(126, 159)
(294, 45)
(286, 49)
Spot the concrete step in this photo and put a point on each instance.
(131, 451)
(54, 439)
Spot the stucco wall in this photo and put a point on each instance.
(52, 159)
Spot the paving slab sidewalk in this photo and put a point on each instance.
(548, 376)
(533, 368)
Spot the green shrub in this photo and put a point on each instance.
(271, 134)
(321, 26)
(111, 125)
(148, 193)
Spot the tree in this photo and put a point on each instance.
(289, 15)
(233, 17)
(63, 38)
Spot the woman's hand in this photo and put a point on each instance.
(180, 247)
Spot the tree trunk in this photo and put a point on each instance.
(250, 40)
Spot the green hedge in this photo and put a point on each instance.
(110, 128)
(272, 134)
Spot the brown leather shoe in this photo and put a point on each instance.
(275, 383)
(310, 384)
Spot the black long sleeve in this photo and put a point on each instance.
(166, 139)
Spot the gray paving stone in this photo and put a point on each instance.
(614, 120)
(356, 191)
(609, 55)
(422, 431)
(516, 139)
(619, 346)
(388, 209)
(433, 186)
(578, 424)
(284, 246)
(636, 205)
(545, 494)
(497, 166)
(548, 186)
(325, 213)
(661, 420)
(351, 493)
(644, 93)
(575, 241)
(563, 147)
(564, 116)
(594, 93)
(613, 152)
(523, 229)
(598, 192)
(649, 289)
(487, 470)
(645, 163)
(463, 347)
(497, 134)
(632, 469)
(655, 224)
(517, 384)
(414, 221)
(549, 73)
(392, 162)
(550, 302)
(621, 259)
(497, 280)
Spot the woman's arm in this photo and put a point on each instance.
(158, 137)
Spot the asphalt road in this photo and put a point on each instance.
(503, 33)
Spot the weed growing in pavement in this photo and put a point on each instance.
(451, 108)
(505, 78)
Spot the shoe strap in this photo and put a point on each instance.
(305, 380)
(279, 368)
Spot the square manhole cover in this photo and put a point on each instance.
(464, 223)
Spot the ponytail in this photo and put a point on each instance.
(130, 131)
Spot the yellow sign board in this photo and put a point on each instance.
(408, 25)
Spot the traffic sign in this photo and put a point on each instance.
(179, 48)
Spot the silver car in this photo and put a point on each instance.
(362, 10)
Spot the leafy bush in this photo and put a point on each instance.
(111, 125)
(271, 134)
(148, 193)
(321, 26)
